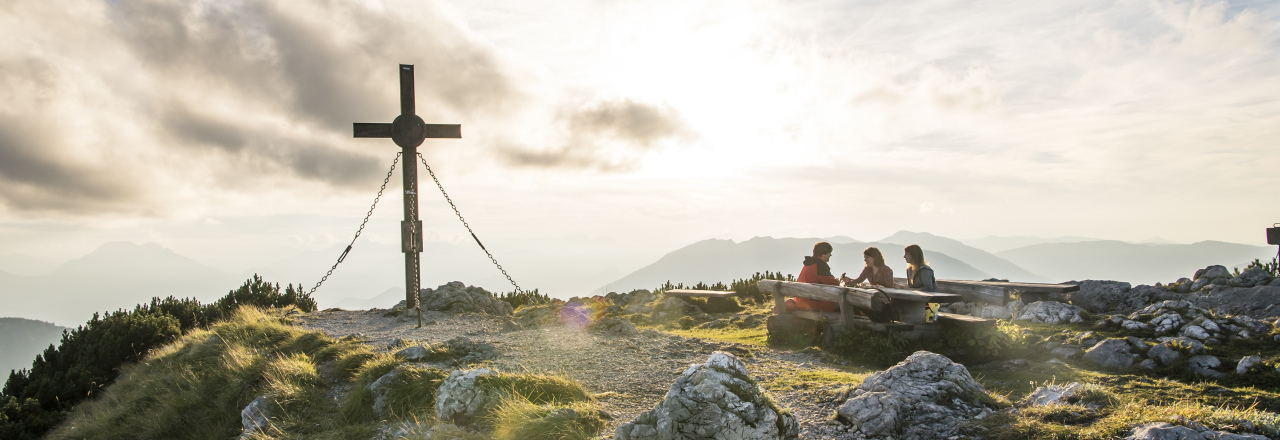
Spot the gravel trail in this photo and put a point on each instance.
(628, 375)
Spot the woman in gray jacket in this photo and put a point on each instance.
(919, 274)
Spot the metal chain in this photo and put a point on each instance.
(468, 226)
(362, 224)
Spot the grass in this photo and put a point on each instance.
(826, 376)
(750, 336)
(196, 387)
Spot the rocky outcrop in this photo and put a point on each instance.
(715, 400)
(926, 396)
(460, 401)
(456, 297)
(1050, 312)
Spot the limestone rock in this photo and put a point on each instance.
(460, 401)
(1247, 363)
(1053, 395)
(255, 417)
(538, 316)
(463, 350)
(672, 308)
(1111, 354)
(1216, 271)
(1050, 312)
(1066, 352)
(1195, 331)
(1165, 431)
(615, 326)
(456, 297)
(715, 400)
(1165, 354)
(996, 312)
(1205, 365)
(1099, 296)
(926, 396)
(379, 389)
(412, 354)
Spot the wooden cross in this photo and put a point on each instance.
(408, 131)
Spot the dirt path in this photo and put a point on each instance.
(630, 375)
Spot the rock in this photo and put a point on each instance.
(1195, 331)
(412, 354)
(1216, 271)
(1240, 282)
(1255, 276)
(1147, 364)
(1086, 339)
(1165, 354)
(255, 417)
(1137, 345)
(1205, 365)
(1066, 352)
(1111, 354)
(509, 325)
(672, 308)
(460, 401)
(456, 297)
(1199, 284)
(995, 312)
(959, 308)
(1050, 312)
(926, 396)
(718, 399)
(379, 389)
(1053, 395)
(1165, 431)
(1274, 282)
(463, 350)
(1247, 363)
(615, 326)
(1099, 296)
(1167, 323)
(1134, 325)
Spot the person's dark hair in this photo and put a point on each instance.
(917, 255)
(822, 248)
(876, 257)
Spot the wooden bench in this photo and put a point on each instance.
(877, 303)
(997, 292)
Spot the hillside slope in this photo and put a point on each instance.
(1134, 263)
(22, 339)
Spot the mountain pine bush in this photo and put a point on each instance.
(89, 357)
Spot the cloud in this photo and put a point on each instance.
(174, 97)
(606, 135)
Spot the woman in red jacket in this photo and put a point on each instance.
(875, 273)
(816, 271)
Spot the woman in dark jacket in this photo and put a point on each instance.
(919, 274)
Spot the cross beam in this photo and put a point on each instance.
(409, 131)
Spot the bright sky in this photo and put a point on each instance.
(222, 129)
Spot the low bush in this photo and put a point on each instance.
(90, 356)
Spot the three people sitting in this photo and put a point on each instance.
(817, 270)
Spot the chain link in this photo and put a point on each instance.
(468, 226)
(362, 224)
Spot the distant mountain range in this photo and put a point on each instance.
(22, 339)
(994, 244)
(1134, 263)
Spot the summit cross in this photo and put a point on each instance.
(408, 131)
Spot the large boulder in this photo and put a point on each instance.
(1212, 272)
(1165, 431)
(926, 396)
(1050, 312)
(1205, 365)
(456, 297)
(1099, 296)
(1111, 354)
(460, 401)
(614, 326)
(715, 400)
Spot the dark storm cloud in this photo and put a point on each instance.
(606, 136)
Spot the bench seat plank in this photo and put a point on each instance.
(965, 321)
(920, 296)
